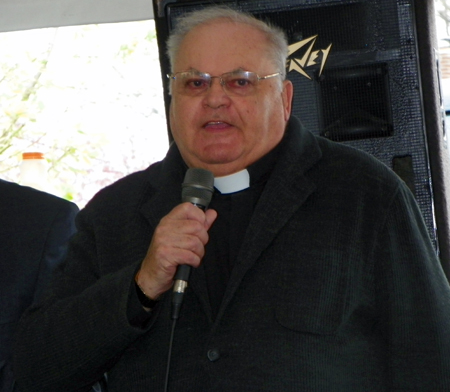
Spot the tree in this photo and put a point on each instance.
(89, 97)
(443, 12)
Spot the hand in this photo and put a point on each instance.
(180, 238)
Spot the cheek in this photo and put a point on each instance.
(180, 112)
(182, 105)
(252, 109)
(171, 117)
(176, 126)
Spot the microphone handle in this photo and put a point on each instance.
(183, 272)
(181, 282)
(181, 279)
(197, 188)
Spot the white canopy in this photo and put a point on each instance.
(32, 14)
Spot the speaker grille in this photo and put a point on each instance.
(368, 94)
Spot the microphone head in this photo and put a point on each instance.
(198, 187)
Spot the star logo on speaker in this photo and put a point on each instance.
(308, 57)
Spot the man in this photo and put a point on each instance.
(316, 275)
(34, 231)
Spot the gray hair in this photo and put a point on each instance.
(278, 46)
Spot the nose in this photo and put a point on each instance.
(216, 96)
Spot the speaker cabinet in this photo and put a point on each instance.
(365, 73)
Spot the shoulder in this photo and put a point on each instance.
(356, 169)
(17, 198)
(137, 188)
(331, 164)
(129, 190)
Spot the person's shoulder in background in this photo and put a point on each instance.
(35, 228)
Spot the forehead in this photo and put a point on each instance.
(223, 45)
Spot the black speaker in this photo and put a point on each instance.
(365, 73)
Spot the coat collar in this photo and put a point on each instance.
(164, 186)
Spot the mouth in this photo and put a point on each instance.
(216, 125)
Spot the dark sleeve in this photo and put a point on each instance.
(70, 340)
(38, 227)
(6, 376)
(136, 314)
(60, 230)
(413, 300)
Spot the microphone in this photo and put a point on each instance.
(197, 188)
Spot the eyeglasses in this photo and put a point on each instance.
(236, 83)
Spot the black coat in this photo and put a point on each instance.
(34, 230)
(336, 288)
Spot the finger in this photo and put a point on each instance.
(210, 217)
(187, 211)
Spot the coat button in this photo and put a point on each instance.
(213, 355)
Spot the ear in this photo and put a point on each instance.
(286, 95)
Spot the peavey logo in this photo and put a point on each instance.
(310, 57)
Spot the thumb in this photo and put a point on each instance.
(211, 216)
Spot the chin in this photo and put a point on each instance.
(220, 155)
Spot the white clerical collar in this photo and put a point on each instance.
(233, 183)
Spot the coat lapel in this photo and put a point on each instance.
(287, 189)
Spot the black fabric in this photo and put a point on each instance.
(227, 234)
(34, 230)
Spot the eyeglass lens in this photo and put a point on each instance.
(234, 83)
